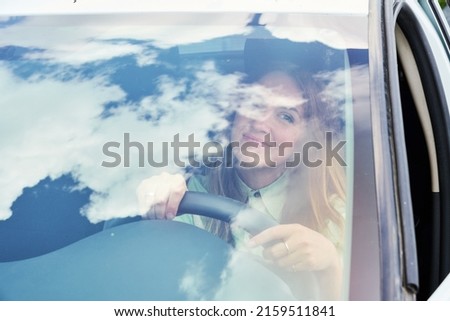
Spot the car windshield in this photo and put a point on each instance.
(92, 105)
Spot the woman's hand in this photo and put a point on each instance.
(297, 248)
(159, 196)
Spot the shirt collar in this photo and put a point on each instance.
(273, 196)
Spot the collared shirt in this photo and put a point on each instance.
(268, 200)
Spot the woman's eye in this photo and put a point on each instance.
(287, 117)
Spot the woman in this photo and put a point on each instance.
(307, 201)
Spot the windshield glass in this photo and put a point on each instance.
(102, 113)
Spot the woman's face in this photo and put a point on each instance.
(270, 131)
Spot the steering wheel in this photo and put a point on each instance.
(217, 207)
(227, 210)
(149, 260)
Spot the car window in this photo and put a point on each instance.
(94, 104)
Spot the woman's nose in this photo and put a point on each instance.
(261, 122)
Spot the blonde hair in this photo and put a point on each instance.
(327, 182)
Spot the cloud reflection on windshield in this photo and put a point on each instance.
(50, 128)
(77, 40)
(319, 28)
(53, 123)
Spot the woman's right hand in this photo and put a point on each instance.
(159, 196)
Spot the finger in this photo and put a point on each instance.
(279, 232)
(300, 260)
(146, 199)
(150, 214)
(277, 251)
(174, 202)
(160, 204)
(298, 267)
(176, 193)
(291, 259)
(155, 199)
(146, 202)
(146, 196)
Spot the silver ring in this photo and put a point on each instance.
(287, 247)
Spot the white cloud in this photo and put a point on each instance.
(57, 126)
(103, 6)
(341, 32)
(194, 281)
(246, 277)
(51, 128)
(44, 126)
(81, 39)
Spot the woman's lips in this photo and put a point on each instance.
(253, 138)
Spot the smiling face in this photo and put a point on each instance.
(268, 134)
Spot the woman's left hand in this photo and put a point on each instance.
(295, 248)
